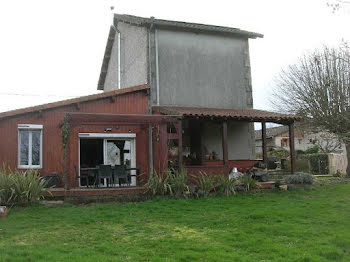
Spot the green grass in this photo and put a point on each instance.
(310, 225)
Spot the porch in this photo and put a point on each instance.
(216, 140)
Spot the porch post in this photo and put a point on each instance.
(292, 148)
(224, 142)
(263, 138)
(179, 133)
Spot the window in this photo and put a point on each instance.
(30, 146)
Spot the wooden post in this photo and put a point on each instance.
(292, 149)
(264, 144)
(179, 133)
(224, 142)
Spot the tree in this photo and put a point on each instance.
(318, 89)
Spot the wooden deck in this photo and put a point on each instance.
(76, 192)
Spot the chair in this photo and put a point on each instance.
(121, 173)
(105, 172)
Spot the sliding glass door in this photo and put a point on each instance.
(113, 150)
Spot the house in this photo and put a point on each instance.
(175, 95)
(278, 137)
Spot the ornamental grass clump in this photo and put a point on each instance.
(177, 183)
(249, 183)
(206, 184)
(226, 186)
(299, 178)
(157, 185)
(21, 187)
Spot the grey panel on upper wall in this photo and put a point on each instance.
(204, 70)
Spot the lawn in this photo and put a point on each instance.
(310, 225)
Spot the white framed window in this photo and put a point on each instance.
(30, 144)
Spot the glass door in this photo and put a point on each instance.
(120, 152)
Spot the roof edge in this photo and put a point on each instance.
(72, 101)
(138, 20)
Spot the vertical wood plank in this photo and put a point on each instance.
(179, 133)
(264, 143)
(224, 142)
(292, 149)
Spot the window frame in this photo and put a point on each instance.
(30, 127)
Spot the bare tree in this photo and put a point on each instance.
(318, 89)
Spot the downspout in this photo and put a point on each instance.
(150, 132)
(157, 66)
(119, 52)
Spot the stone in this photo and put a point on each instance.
(3, 211)
(51, 202)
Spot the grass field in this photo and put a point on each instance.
(312, 225)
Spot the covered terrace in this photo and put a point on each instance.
(215, 140)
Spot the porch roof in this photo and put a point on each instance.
(252, 115)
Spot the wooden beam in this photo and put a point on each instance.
(85, 118)
(292, 149)
(264, 142)
(224, 142)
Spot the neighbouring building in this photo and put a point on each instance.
(175, 95)
(278, 137)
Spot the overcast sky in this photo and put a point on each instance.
(53, 50)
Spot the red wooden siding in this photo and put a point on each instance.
(135, 102)
(217, 167)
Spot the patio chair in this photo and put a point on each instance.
(105, 172)
(121, 174)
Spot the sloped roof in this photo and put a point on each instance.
(271, 132)
(72, 101)
(185, 25)
(237, 114)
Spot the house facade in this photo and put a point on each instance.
(176, 95)
(186, 65)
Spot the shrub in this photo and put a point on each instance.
(226, 185)
(299, 178)
(339, 174)
(157, 185)
(249, 183)
(318, 163)
(279, 153)
(312, 150)
(206, 184)
(21, 187)
(177, 183)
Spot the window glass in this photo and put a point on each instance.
(24, 147)
(29, 148)
(36, 147)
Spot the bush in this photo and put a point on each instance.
(339, 174)
(249, 183)
(206, 184)
(318, 163)
(299, 178)
(279, 153)
(226, 186)
(157, 185)
(21, 187)
(312, 150)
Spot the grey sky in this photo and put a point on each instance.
(53, 50)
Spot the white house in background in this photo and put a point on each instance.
(278, 137)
